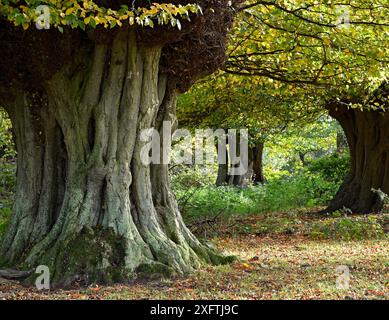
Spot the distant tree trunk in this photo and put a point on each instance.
(222, 175)
(224, 178)
(87, 206)
(254, 172)
(237, 180)
(258, 175)
(368, 138)
(341, 142)
(223, 171)
(302, 158)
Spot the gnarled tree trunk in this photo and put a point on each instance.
(87, 206)
(368, 138)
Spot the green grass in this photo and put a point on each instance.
(283, 194)
(309, 187)
(296, 223)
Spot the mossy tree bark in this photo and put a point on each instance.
(367, 135)
(86, 204)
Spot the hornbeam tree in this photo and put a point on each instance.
(339, 47)
(228, 101)
(79, 95)
(367, 135)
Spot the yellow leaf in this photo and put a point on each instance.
(69, 11)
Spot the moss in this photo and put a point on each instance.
(97, 255)
(210, 255)
(154, 271)
(219, 259)
(93, 256)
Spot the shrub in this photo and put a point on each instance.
(7, 149)
(184, 177)
(332, 168)
(312, 186)
(347, 229)
(7, 185)
(303, 190)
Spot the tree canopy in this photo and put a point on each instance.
(324, 43)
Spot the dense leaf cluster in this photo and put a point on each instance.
(88, 13)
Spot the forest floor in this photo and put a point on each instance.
(280, 256)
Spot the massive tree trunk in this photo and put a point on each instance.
(87, 206)
(368, 138)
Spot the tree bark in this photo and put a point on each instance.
(255, 169)
(223, 171)
(258, 174)
(86, 205)
(368, 138)
(224, 178)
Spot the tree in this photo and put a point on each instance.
(367, 135)
(79, 96)
(264, 109)
(341, 48)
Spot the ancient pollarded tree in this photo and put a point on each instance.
(78, 95)
(367, 130)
